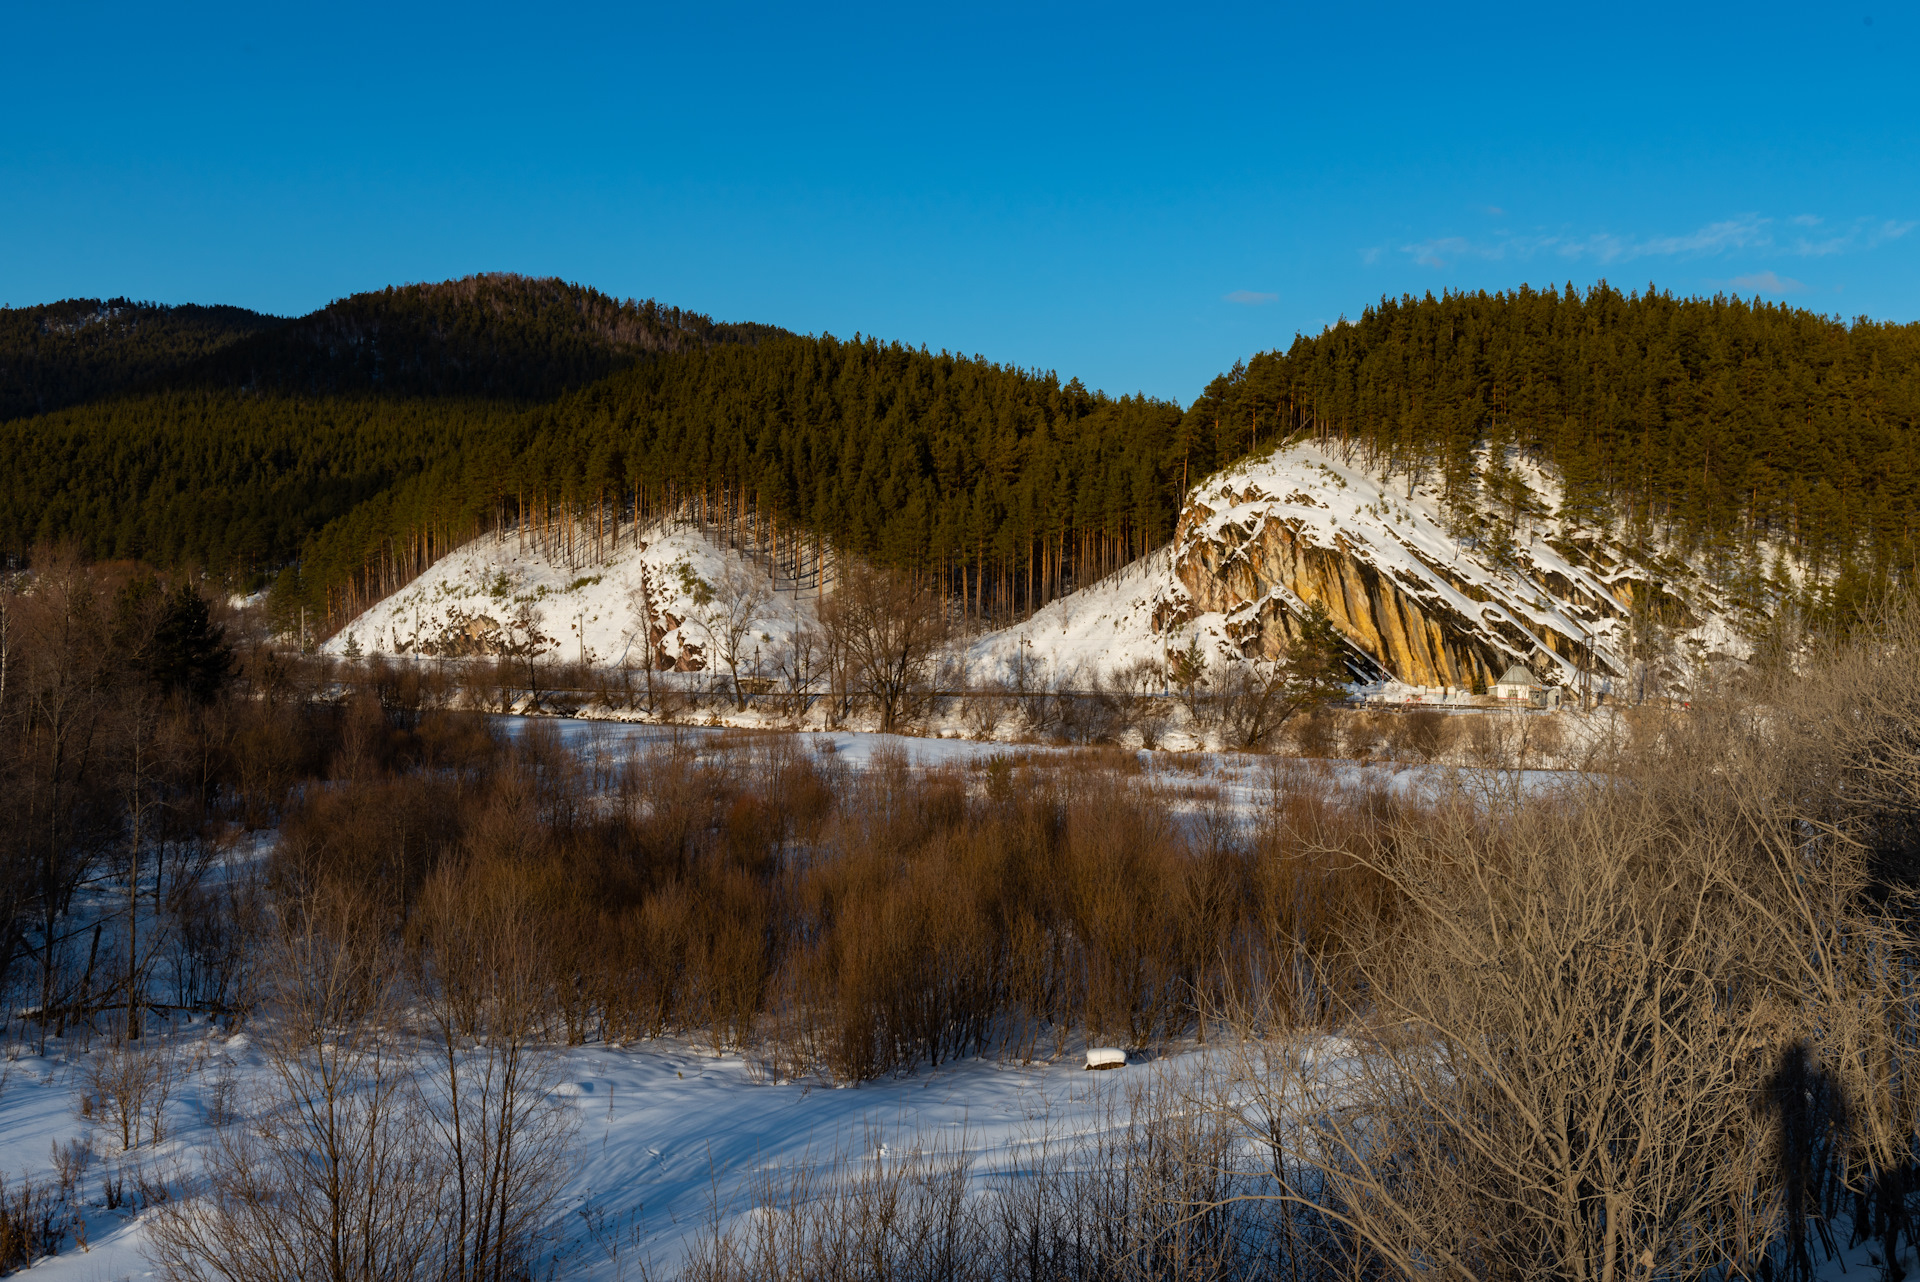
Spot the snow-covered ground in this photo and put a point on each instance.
(669, 1141)
(666, 1135)
(1244, 781)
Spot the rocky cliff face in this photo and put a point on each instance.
(1258, 544)
(1260, 582)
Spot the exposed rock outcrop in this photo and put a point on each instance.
(1260, 543)
(1260, 582)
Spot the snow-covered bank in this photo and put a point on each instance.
(492, 596)
(1245, 781)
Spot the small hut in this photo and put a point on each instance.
(1518, 685)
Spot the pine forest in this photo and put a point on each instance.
(338, 455)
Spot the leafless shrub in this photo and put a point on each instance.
(70, 1162)
(503, 1138)
(984, 708)
(1040, 707)
(153, 1185)
(1153, 1191)
(34, 1221)
(1316, 734)
(220, 1092)
(1092, 715)
(903, 1216)
(1428, 733)
(333, 1174)
(129, 1083)
(1547, 741)
(1510, 741)
(1138, 690)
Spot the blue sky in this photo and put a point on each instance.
(1137, 196)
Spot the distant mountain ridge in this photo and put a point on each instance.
(497, 336)
(80, 349)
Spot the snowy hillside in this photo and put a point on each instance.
(1434, 602)
(491, 597)
(1261, 541)
(1096, 633)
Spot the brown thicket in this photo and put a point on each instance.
(751, 891)
(1656, 1023)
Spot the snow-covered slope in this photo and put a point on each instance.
(1432, 603)
(491, 597)
(1097, 633)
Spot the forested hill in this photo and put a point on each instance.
(345, 451)
(1009, 485)
(1740, 429)
(226, 439)
(60, 354)
(496, 336)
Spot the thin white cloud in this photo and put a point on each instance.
(1767, 283)
(1862, 233)
(1249, 297)
(1740, 233)
(1744, 232)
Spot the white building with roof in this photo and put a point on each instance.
(1517, 685)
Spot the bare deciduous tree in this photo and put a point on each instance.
(523, 639)
(1650, 1026)
(800, 661)
(1550, 1081)
(889, 628)
(730, 612)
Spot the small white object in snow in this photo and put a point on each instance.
(1105, 1057)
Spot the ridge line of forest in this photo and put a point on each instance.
(1741, 429)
